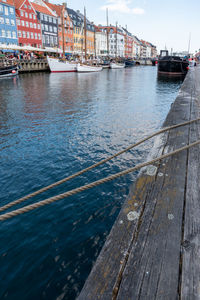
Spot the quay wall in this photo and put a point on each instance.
(25, 65)
(152, 251)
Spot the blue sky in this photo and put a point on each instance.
(160, 22)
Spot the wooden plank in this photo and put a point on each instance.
(190, 285)
(152, 270)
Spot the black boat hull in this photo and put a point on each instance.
(172, 67)
(8, 71)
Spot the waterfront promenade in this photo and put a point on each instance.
(152, 251)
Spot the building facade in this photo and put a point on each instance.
(28, 26)
(78, 31)
(128, 44)
(100, 42)
(49, 24)
(65, 27)
(8, 26)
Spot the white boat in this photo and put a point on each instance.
(57, 65)
(86, 68)
(117, 66)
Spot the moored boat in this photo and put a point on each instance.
(81, 68)
(57, 65)
(129, 63)
(116, 65)
(170, 65)
(8, 71)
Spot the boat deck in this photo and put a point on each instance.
(153, 249)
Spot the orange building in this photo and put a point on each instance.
(65, 27)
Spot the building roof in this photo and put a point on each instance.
(76, 20)
(43, 8)
(18, 3)
(55, 8)
(8, 2)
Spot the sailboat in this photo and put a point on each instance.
(84, 68)
(61, 65)
(115, 64)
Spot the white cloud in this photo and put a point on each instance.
(122, 6)
(138, 11)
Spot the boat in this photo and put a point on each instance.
(114, 65)
(57, 65)
(129, 63)
(172, 65)
(8, 71)
(82, 68)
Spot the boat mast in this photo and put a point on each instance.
(63, 29)
(85, 31)
(189, 43)
(107, 32)
(116, 41)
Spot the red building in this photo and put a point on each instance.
(28, 26)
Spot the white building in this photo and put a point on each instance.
(116, 42)
(100, 41)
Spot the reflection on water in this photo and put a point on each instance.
(51, 126)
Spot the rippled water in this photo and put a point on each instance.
(52, 125)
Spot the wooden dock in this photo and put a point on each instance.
(153, 249)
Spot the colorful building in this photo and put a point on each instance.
(78, 31)
(128, 44)
(28, 27)
(65, 27)
(8, 26)
(49, 24)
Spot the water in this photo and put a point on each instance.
(51, 126)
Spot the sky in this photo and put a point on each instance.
(171, 23)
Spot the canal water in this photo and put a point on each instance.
(51, 126)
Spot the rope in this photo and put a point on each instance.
(92, 166)
(90, 185)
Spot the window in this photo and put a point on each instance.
(27, 24)
(9, 34)
(32, 35)
(22, 23)
(38, 26)
(41, 16)
(51, 40)
(1, 8)
(42, 26)
(28, 35)
(50, 19)
(50, 28)
(12, 11)
(22, 13)
(6, 10)
(19, 33)
(30, 16)
(31, 25)
(39, 36)
(34, 17)
(46, 27)
(3, 33)
(29, 7)
(55, 29)
(1, 20)
(26, 14)
(12, 22)
(55, 40)
(7, 21)
(36, 36)
(54, 20)
(45, 18)
(24, 34)
(34, 25)
(47, 39)
(18, 22)
(14, 35)
(25, 6)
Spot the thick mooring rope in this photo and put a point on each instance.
(93, 166)
(90, 185)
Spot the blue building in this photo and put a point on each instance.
(8, 26)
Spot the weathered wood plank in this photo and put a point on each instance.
(190, 284)
(152, 270)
